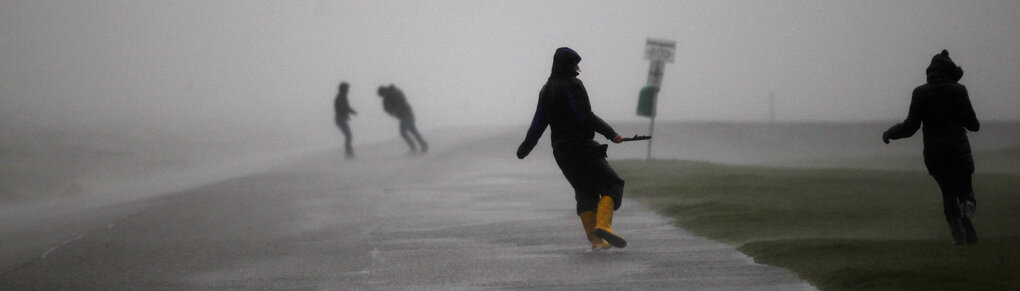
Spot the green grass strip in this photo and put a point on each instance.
(840, 229)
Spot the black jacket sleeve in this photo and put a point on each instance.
(582, 111)
(908, 127)
(538, 125)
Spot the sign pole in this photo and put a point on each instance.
(651, 132)
(658, 52)
(646, 107)
(655, 72)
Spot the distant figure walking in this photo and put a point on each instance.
(395, 104)
(343, 114)
(563, 105)
(943, 108)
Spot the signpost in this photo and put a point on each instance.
(658, 52)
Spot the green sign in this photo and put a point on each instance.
(646, 101)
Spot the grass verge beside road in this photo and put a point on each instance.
(840, 229)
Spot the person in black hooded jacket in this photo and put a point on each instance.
(943, 108)
(563, 105)
(395, 104)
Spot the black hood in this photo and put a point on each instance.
(943, 69)
(564, 62)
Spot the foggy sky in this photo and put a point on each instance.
(275, 65)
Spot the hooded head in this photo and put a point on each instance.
(344, 86)
(564, 62)
(943, 68)
(383, 90)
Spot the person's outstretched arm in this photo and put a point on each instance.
(908, 127)
(349, 109)
(599, 123)
(579, 103)
(538, 125)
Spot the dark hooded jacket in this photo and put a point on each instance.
(943, 108)
(563, 105)
(341, 106)
(394, 102)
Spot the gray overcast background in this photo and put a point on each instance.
(220, 67)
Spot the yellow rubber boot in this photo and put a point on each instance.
(588, 221)
(604, 222)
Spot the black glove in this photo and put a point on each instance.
(523, 151)
(885, 137)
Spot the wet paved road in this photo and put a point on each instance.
(465, 216)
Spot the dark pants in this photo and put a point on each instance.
(586, 168)
(346, 130)
(407, 125)
(956, 191)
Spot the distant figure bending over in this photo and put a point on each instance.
(563, 105)
(943, 108)
(343, 114)
(395, 104)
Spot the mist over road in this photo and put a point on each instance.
(466, 215)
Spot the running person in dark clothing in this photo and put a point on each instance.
(563, 105)
(395, 104)
(343, 113)
(943, 108)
